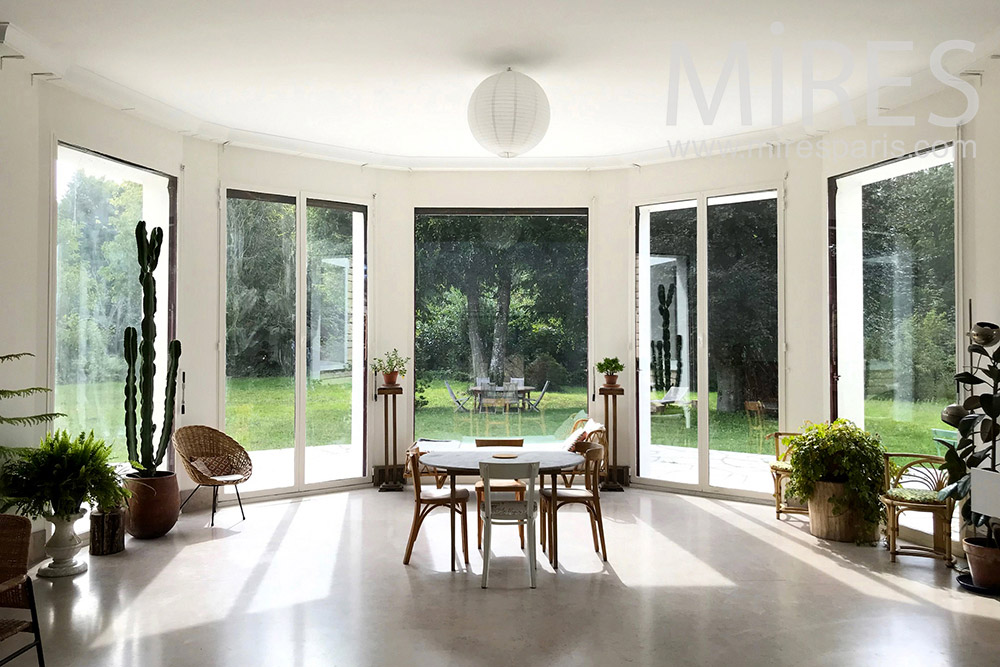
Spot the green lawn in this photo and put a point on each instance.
(259, 414)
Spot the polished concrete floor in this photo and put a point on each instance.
(689, 581)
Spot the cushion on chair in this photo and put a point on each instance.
(509, 509)
(908, 495)
(781, 466)
(576, 436)
(212, 466)
(461, 495)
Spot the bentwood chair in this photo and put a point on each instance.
(589, 497)
(212, 458)
(502, 485)
(912, 482)
(15, 590)
(498, 508)
(781, 468)
(427, 500)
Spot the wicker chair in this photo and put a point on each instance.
(15, 590)
(212, 458)
(598, 436)
(781, 468)
(912, 482)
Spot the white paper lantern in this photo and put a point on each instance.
(509, 113)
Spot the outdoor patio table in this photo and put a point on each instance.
(466, 462)
(523, 393)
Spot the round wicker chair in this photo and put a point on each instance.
(212, 458)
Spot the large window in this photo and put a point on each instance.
(100, 201)
(299, 410)
(894, 303)
(501, 323)
(708, 339)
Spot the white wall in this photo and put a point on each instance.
(33, 118)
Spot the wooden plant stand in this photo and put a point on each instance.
(389, 477)
(616, 475)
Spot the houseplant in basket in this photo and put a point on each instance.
(839, 469)
(392, 366)
(610, 367)
(972, 461)
(54, 481)
(155, 499)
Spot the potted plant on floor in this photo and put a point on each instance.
(971, 463)
(54, 481)
(610, 367)
(155, 499)
(392, 366)
(839, 469)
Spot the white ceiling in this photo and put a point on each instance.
(388, 81)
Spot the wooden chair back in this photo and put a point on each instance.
(921, 471)
(490, 470)
(592, 460)
(414, 456)
(499, 442)
(15, 538)
(781, 449)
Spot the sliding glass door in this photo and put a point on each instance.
(295, 272)
(708, 339)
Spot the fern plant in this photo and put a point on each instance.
(29, 420)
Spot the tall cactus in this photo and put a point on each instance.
(665, 297)
(140, 447)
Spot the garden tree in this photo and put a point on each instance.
(743, 302)
(909, 297)
(522, 281)
(95, 274)
(260, 286)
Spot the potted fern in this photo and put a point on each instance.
(54, 481)
(839, 469)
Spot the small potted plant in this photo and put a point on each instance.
(610, 367)
(839, 469)
(54, 481)
(972, 465)
(392, 366)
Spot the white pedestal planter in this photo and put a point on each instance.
(63, 547)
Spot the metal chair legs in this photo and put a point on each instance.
(215, 501)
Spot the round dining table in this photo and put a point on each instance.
(466, 462)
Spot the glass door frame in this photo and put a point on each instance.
(704, 485)
(302, 197)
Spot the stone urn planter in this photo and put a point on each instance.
(63, 547)
(154, 506)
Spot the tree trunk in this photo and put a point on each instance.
(107, 533)
(729, 381)
(477, 352)
(499, 355)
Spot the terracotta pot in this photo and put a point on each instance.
(610, 380)
(154, 505)
(984, 561)
(823, 523)
(390, 379)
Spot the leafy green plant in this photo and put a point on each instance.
(29, 420)
(841, 452)
(391, 362)
(55, 479)
(610, 366)
(978, 417)
(140, 449)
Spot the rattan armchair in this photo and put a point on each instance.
(212, 458)
(15, 590)
(912, 482)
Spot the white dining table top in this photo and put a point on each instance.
(458, 460)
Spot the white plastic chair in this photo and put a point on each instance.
(500, 509)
